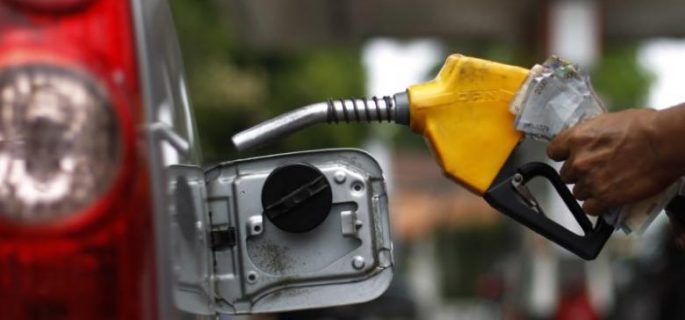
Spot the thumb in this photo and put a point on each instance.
(558, 149)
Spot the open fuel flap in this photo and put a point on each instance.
(283, 232)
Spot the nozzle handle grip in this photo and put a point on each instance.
(504, 197)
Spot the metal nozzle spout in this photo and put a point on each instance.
(391, 109)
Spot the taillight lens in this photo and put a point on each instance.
(60, 145)
(76, 223)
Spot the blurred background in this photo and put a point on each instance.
(249, 60)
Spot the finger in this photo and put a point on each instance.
(593, 207)
(581, 191)
(567, 173)
(558, 149)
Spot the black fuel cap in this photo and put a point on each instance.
(296, 197)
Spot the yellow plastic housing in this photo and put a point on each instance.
(464, 115)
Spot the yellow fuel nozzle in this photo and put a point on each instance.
(464, 115)
(463, 112)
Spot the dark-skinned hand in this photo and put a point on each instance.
(615, 159)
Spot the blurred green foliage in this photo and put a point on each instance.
(233, 87)
(619, 78)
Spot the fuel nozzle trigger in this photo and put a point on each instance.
(510, 196)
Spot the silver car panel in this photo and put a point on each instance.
(168, 136)
(346, 259)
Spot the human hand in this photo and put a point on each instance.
(613, 159)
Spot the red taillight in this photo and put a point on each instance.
(76, 240)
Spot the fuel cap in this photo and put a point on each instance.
(296, 197)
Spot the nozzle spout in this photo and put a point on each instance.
(391, 109)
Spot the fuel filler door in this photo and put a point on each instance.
(282, 232)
